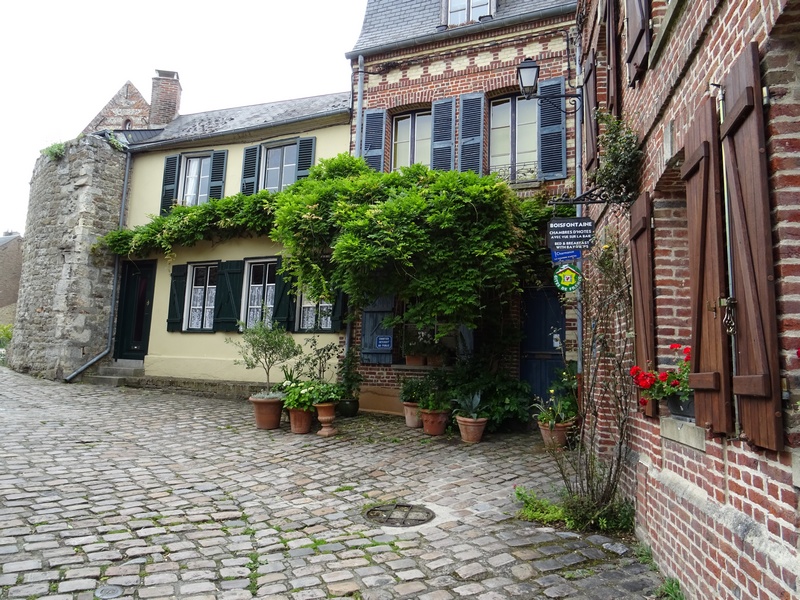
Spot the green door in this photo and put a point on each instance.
(135, 309)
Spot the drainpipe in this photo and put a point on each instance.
(359, 104)
(110, 333)
(579, 190)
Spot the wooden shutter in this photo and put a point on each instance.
(710, 371)
(644, 314)
(590, 114)
(251, 163)
(371, 329)
(338, 311)
(228, 299)
(169, 184)
(284, 311)
(756, 379)
(443, 135)
(305, 155)
(374, 138)
(613, 70)
(552, 131)
(638, 19)
(216, 184)
(177, 297)
(470, 133)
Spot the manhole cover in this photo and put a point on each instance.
(399, 515)
(108, 591)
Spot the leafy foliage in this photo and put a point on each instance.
(55, 151)
(264, 345)
(575, 512)
(670, 589)
(620, 165)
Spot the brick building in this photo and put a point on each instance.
(435, 83)
(712, 90)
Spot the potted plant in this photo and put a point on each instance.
(411, 390)
(417, 345)
(325, 396)
(468, 416)
(434, 408)
(669, 384)
(350, 383)
(265, 345)
(555, 417)
(299, 401)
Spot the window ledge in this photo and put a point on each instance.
(667, 23)
(683, 432)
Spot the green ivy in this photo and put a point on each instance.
(55, 151)
(620, 159)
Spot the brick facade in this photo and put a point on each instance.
(719, 514)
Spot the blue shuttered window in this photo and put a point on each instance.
(216, 186)
(443, 137)
(552, 131)
(169, 185)
(374, 138)
(251, 164)
(374, 350)
(470, 133)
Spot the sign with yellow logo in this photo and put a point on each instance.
(567, 278)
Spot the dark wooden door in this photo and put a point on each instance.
(135, 309)
(543, 330)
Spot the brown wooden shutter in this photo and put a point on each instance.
(590, 114)
(643, 305)
(710, 372)
(613, 70)
(638, 18)
(756, 380)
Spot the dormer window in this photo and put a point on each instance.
(465, 11)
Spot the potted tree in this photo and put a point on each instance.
(468, 416)
(350, 383)
(265, 345)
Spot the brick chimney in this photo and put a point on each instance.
(165, 101)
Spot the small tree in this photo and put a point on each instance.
(264, 345)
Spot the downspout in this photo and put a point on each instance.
(579, 190)
(110, 334)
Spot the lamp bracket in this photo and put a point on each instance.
(597, 195)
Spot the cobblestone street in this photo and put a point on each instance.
(115, 492)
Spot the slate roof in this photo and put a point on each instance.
(247, 118)
(4, 239)
(393, 24)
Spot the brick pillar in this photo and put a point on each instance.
(166, 98)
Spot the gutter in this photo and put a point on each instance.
(217, 134)
(457, 32)
(114, 285)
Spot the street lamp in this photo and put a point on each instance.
(528, 77)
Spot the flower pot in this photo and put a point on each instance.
(347, 407)
(411, 412)
(683, 411)
(300, 420)
(267, 412)
(415, 360)
(471, 429)
(326, 413)
(434, 422)
(557, 436)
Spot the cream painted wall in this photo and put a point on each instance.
(205, 355)
(147, 172)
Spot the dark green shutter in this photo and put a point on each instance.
(284, 312)
(169, 185)
(443, 135)
(552, 131)
(177, 297)
(470, 133)
(305, 155)
(374, 138)
(338, 311)
(228, 299)
(250, 164)
(216, 184)
(372, 328)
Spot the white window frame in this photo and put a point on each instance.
(207, 319)
(471, 7)
(184, 173)
(414, 138)
(306, 303)
(514, 165)
(283, 182)
(270, 268)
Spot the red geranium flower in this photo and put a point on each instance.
(674, 346)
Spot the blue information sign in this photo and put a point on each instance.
(565, 255)
(383, 342)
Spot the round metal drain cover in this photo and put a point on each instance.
(108, 591)
(399, 515)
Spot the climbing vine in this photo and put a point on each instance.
(620, 159)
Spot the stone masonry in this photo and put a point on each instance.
(63, 308)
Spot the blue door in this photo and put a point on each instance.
(543, 331)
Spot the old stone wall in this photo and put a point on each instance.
(11, 261)
(65, 290)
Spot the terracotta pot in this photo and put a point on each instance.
(267, 412)
(471, 429)
(326, 413)
(300, 420)
(415, 360)
(411, 412)
(557, 436)
(434, 422)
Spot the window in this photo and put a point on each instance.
(315, 314)
(202, 293)
(513, 138)
(411, 140)
(280, 167)
(259, 292)
(194, 190)
(464, 11)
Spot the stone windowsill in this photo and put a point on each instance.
(683, 432)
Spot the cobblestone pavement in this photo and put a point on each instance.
(146, 494)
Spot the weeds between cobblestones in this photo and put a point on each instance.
(170, 496)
